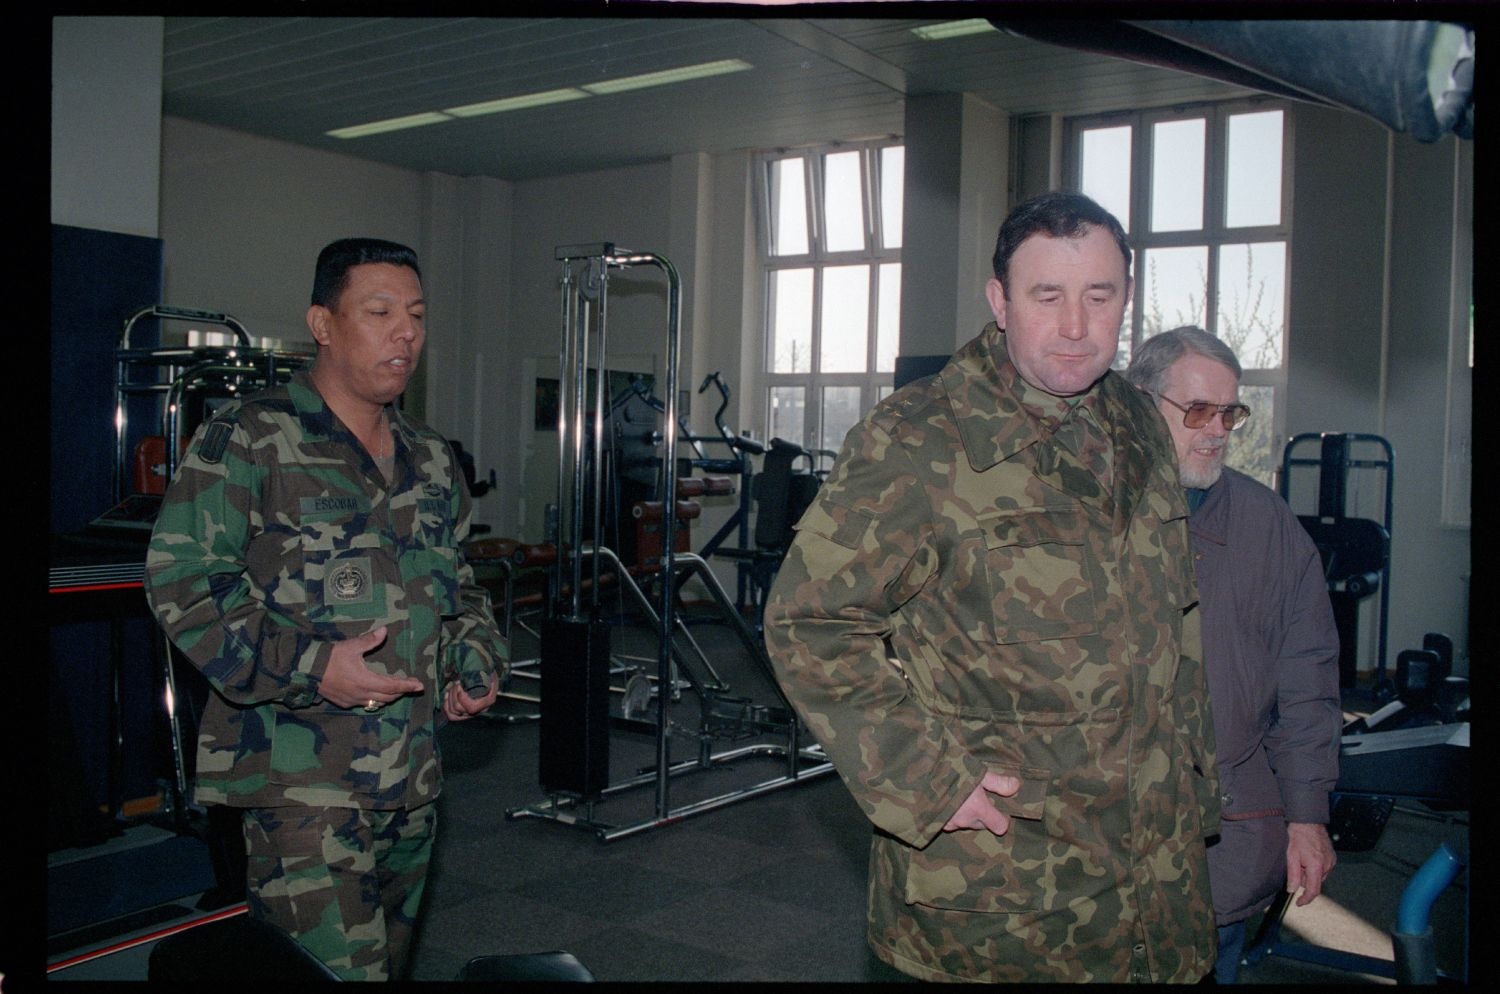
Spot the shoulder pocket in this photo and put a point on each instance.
(836, 522)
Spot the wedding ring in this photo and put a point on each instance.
(372, 706)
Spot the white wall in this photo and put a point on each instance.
(106, 90)
(1430, 561)
(1336, 314)
(1369, 321)
(465, 251)
(243, 219)
(956, 180)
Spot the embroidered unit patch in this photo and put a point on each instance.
(348, 581)
(215, 441)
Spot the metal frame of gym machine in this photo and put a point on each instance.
(1345, 540)
(585, 277)
(174, 373)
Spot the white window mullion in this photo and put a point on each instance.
(813, 419)
(813, 188)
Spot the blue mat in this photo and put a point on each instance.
(96, 889)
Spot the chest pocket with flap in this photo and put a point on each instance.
(1040, 574)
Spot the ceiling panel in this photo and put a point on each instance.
(813, 80)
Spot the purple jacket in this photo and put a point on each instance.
(1271, 650)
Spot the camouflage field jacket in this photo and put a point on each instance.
(965, 595)
(278, 537)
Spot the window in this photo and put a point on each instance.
(1205, 194)
(831, 220)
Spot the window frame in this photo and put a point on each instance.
(873, 383)
(1214, 233)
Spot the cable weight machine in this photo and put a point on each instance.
(575, 716)
(1356, 552)
(176, 388)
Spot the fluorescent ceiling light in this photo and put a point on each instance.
(543, 98)
(668, 76)
(953, 29)
(517, 103)
(389, 124)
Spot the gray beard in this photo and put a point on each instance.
(1201, 479)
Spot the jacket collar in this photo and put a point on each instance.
(1211, 521)
(998, 413)
(321, 424)
(317, 418)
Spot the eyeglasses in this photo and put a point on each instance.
(1196, 414)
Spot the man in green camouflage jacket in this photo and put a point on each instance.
(307, 560)
(988, 621)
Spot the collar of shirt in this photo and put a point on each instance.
(319, 421)
(1209, 517)
(998, 412)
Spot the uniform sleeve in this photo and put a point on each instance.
(862, 550)
(473, 647)
(201, 591)
(1303, 741)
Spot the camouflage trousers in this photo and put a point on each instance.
(345, 883)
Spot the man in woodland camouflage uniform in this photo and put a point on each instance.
(307, 560)
(988, 621)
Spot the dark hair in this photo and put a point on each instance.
(1060, 214)
(332, 273)
(1156, 355)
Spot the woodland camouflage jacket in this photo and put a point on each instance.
(966, 594)
(278, 537)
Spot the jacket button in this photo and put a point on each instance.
(1226, 798)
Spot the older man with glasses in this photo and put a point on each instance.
(1269, 642)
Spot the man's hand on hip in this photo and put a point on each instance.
(978, 811)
